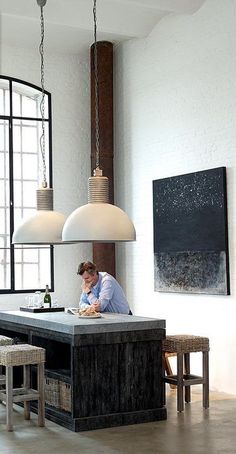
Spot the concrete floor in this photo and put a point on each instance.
(195, 431)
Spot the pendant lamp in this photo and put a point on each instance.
(98, 221)
(45, 226)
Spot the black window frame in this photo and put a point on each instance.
(10, 118)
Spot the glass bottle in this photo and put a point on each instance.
(47, 302)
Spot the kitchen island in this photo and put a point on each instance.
(99, 372)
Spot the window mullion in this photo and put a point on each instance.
(11, 190)
(5, 197)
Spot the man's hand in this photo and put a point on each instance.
(86, 287)
(96, 306)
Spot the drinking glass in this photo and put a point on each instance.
(29, 300)
(38, 299)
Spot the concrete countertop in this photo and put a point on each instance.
(72, 324)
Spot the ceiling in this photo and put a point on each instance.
(69, 23)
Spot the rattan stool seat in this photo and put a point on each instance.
(20, 354)
(181, 345)
(23, 355)
(184, 343)
(4, 340)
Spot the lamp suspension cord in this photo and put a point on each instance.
(42, 103)
(96, 84)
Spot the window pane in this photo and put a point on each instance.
(18, 276)
(7, 240)
(30, 276)
(3, 135)
(1, 101)
(4, 225)
(2, 165)
(45, 269)
(26, 122)
(33, 275)
(17, 167)
(30, 105)
(18, 253)
(3, 221)
(5, 269)
(30, 167)
(27, 213)
(16, 137)
(29, 139)
(16, 103)
(27, 190)
(4, 97)
(2, 146)
(20, 213)
(29, 193)
(4, 193)
(30, 255)
(18, 194)
(8, 224)
(4, 242)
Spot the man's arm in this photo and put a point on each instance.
(105, 296)
(84, 301)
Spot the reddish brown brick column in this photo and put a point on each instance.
(103, 253)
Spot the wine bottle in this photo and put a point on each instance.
(47, 302)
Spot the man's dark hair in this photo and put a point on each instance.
(87, 266)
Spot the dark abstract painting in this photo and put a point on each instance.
(191, 234)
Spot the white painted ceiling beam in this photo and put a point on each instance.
(69, 23)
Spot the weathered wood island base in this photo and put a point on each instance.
(111, 368)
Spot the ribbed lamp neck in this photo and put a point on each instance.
(45, 199)
(98, 188)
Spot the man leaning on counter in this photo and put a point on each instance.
(100, 291)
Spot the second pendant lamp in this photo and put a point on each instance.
(98, 221)
(45, 226)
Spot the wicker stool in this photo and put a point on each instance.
(23, 355)
(182, 346)
(4, 341)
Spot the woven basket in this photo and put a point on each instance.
(58, 394)
(52, 394)
(65, 396)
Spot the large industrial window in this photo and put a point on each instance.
(22, 268)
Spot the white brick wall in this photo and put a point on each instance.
(175, 113)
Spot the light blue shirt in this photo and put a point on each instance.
(108, 293)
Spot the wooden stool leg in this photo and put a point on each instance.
(168, 368)
(205, 391)
(1, 385)
(41, 401)
(26, 386)
(9, 397)
(187, 372)
(180, 396)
